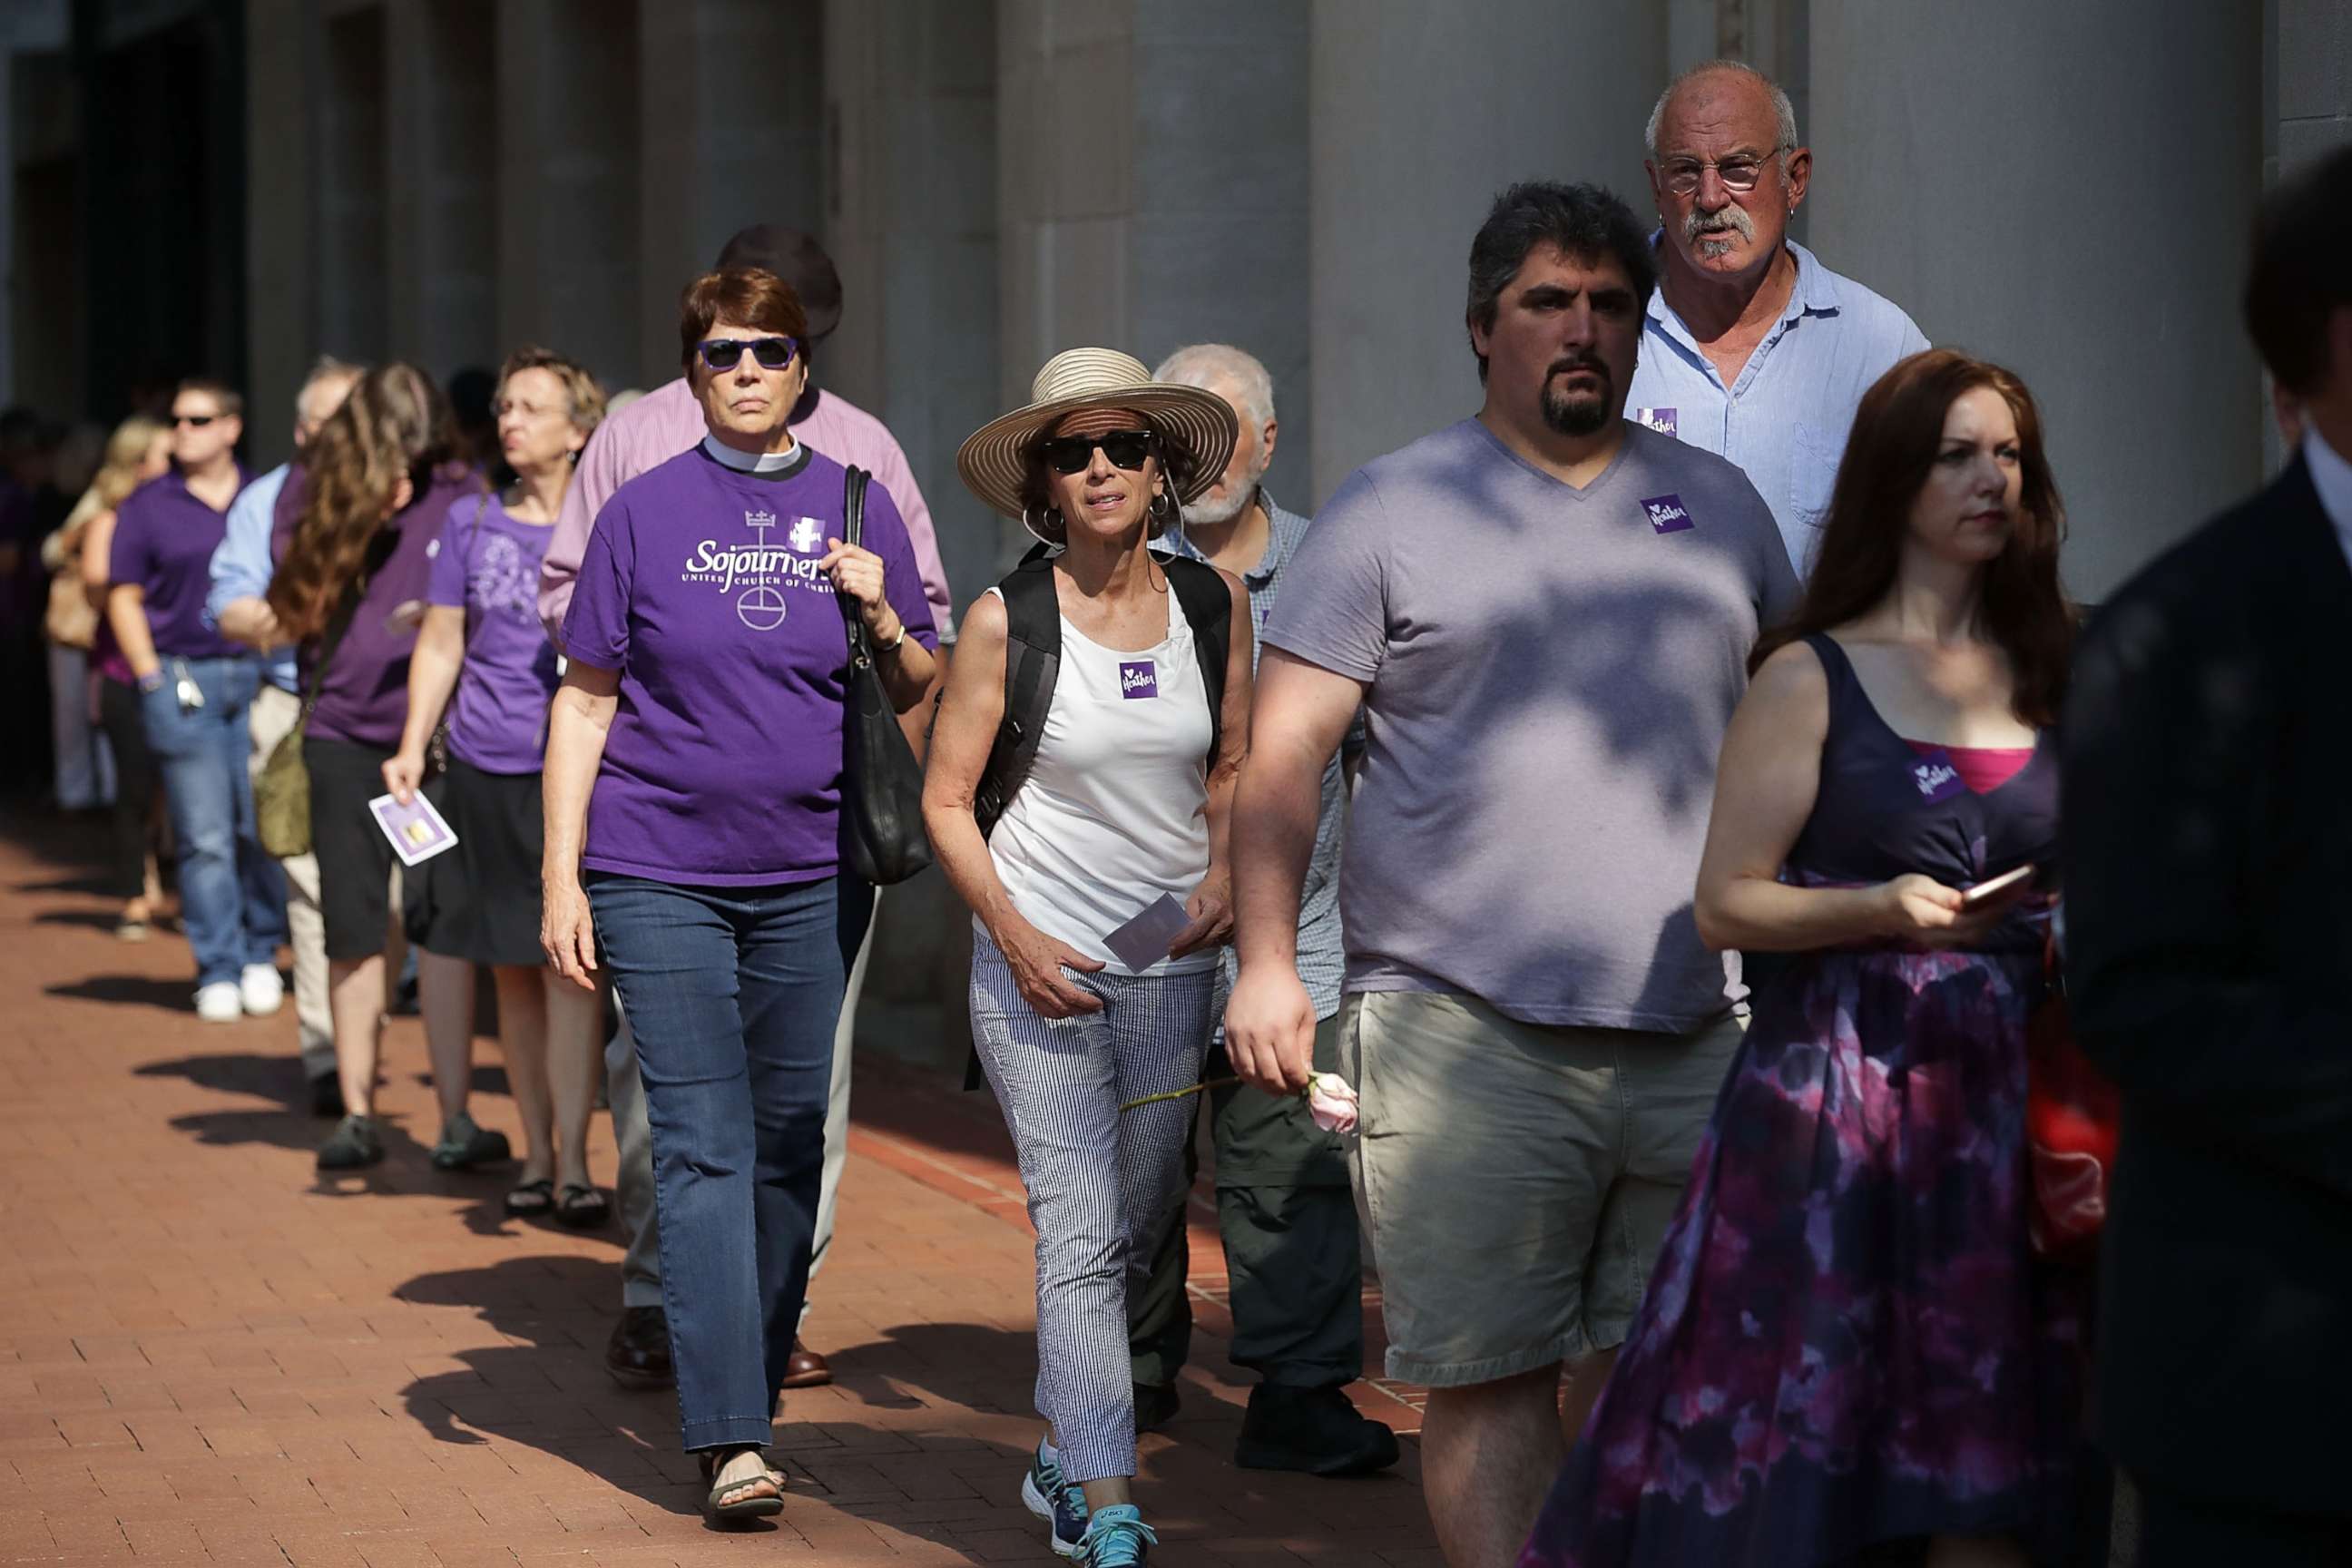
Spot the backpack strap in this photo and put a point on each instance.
(1208, 606)
(1033, 660)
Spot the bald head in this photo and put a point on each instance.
(1724, 168)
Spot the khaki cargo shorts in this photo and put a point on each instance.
(1518, 1179)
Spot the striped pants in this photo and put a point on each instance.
(1098, 1183)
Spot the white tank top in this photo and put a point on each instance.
(1114, 812)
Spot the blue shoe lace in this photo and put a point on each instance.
(1069, 1500)
(1115, 1538)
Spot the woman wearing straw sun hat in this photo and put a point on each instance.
(1078, 794)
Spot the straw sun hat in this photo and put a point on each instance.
(994, 458)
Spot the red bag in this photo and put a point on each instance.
(2072, 1113)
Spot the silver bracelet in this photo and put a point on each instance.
(892, 646)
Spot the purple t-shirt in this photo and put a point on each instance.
(486, 563)
(165, 536)
(699, 586)
(363, 701)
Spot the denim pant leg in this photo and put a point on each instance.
(732, 995)
(199, 792)
(230, 686)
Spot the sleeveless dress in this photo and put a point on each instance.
(1847, 1340)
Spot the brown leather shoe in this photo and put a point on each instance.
(806, 1369)
(638, 1354)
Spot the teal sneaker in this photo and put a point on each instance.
(1058, 1501)
(1116, 1537)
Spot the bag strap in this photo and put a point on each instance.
(328, 644)
(853, 533)
(1032, 662)
(1208, 606)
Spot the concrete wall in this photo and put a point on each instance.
(730, 96)
(1152, 190)
(1419, 115)
(2077, 214)
(441, 239)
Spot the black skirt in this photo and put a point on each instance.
(479, 899)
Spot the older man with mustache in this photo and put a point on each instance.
(1752, 348)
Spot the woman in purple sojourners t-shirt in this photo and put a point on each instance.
(1850, 1352)
(478, 902)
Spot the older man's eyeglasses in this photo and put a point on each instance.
(1070, 453)
(1739, 173)
(725, 354)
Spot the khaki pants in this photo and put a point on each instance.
(273, 717)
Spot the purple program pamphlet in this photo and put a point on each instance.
(1145, 940)
(417, 831)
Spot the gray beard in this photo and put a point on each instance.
(1737, 227)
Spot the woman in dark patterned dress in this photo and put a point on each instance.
(1849, 1352)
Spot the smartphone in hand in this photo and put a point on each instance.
(1995, 889)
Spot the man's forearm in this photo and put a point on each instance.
(1275, 811)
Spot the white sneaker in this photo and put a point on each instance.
(219, 1003)
(261, 989)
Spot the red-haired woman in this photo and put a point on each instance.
(1849, 1352)
(693, 809)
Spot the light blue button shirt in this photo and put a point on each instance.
(1784, 421)
(242, 566)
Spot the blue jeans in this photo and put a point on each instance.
(732, 994)
(232, 895)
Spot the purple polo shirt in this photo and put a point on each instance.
(165, 536)
(699, 586)
(363, 699)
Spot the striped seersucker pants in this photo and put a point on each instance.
(1099, 1183)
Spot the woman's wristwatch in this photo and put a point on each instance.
(892, 646)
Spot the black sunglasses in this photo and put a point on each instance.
(195, 421)
(1070, 453)
(722, 353)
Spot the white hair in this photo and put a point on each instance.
(1205, 366)
(325, 368)
(1784, 110)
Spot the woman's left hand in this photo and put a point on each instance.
(1211, 908)
(857, 573)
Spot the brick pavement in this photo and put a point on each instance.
(208, 1354)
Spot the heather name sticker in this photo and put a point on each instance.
(1662, 420)
(1138, 678)
(1667, 514)
(1934, 777)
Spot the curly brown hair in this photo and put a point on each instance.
(395, 424)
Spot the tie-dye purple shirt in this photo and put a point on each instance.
(486, 563)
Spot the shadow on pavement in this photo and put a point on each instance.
(129, 990)
(278, 1078)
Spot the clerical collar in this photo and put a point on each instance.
(751, 462)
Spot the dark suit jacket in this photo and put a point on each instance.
(2209, 909)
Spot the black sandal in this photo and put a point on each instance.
(531, 1199)
(724, 1504)
(581, 1208)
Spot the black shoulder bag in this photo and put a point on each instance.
(881, 783)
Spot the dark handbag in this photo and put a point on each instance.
(881, 783)
(2072, 1115)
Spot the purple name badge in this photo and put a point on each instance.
(1667, 513)
(1138, 678)
(1934, 777)
(1662, 420)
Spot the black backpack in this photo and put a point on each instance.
(1032, 658)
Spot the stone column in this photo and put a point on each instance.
(730, 95)
(910, 221)
(2075, 209)
(350, 170)
(567, 193)
(441, 124)
(1152, 191)
(282, 47)
(1418, 116)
